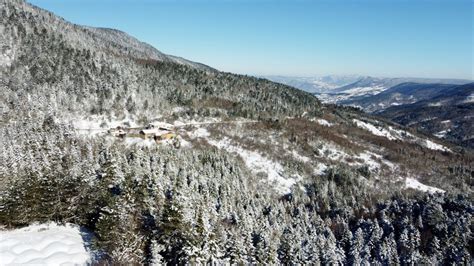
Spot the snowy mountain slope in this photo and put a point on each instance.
(114, 78)
(249, 171)
(140, 49)
(107, 40)
(404, 93)
(448, 114)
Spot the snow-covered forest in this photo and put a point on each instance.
(297, 182)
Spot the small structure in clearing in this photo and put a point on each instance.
(157, 132)
(166, 136)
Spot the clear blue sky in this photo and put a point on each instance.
(417, 38)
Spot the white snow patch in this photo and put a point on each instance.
(435, 146)
(184, 143)
(299, 157)
(139, 142)
(320, 169)
(442, 133)
(435, 104)
(469, 99)
(199, 133)
(258, 164)
(374, 130)
(332, 152)
(45, 244)
(365, 90)
(323, 122)
(194, 122)
(415, 184)
(393, 134)
(94, 125)
(6, 59)
(366, 157)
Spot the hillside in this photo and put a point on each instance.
(167, 161)
(405, 93)
(447, 113)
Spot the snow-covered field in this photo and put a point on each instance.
(44, 244)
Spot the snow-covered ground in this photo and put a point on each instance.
(44, 244)
(323, 122)
(435, 146)
(258, 163)
(94, 125)
(139, 142)
(373, 129)
(469, 99)
(349, 94)
(300, 157)
(199, 133)
(394, 134)
(332, 151)
(442, 133)
(415, 184)
(319, 169)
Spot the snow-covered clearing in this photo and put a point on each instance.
(258, 163)
(435, 146)
(415, 184)
(378, 131)
(45, 244)
(300, 157)
(94, 125)
(319, 169)
(323, 122)
(7, 53)
(394, 134)
(199, 133)
(367, 159)
(332, 152)
(210, 121)
(139, 142)
(442, 133)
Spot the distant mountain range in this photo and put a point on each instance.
(405, 93)
(446, 111)
(440, 107)
(365, 87)
(338, 88)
